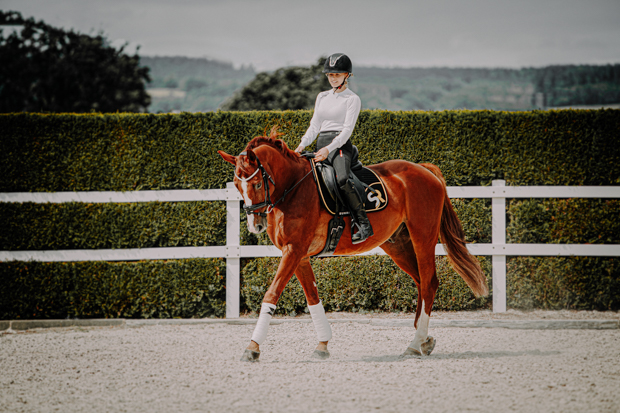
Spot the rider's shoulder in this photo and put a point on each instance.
(352, 98)
(348, 94)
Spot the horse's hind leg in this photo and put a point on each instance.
(306, 278)
(402, 252)
(422, 343)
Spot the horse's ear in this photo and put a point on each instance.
(228, 158)
(251, 156)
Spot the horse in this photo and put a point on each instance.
(281, 199)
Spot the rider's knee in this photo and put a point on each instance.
(342, 181)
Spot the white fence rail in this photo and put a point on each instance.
(233, 251)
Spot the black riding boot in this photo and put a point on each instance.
(359, 213)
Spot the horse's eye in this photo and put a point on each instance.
(258, 185)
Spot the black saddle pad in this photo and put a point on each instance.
(375, 198)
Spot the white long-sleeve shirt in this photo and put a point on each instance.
(334, 112)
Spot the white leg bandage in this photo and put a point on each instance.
(321, 325)
(260, 331)
(421, 332)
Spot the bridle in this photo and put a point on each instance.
(251, 209)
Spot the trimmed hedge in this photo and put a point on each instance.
(581, 283)
(32, 226)
(125, 152)
(591, 283)
(146, 289)
(564, 221)
(95, 152)
(372, 283)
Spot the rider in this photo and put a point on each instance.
(335, 115)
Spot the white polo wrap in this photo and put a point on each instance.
(321, 325)
(260, 331)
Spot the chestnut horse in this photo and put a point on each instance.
(281, 198)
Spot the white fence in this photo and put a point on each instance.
(233, 251)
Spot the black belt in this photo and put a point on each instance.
(326, 137)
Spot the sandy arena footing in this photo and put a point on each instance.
(191, 366)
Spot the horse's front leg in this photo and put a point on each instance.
(290, 260)
(306, 278)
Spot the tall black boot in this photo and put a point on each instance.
(359, 213)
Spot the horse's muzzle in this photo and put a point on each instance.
(257, 225)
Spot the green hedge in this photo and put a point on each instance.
(148, 289)
(564, 282)
(32, 226)
(123, 152)
(118, 152)
(564, 221)
(372, 283)
(580, 283)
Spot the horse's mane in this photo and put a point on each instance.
(273, 141)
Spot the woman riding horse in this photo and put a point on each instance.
(335, 115)
(281, 199)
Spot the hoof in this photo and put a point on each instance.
(412, 352)
(249, 355)
(321, 355)
(425, 349)
(428, 346)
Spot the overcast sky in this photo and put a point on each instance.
(417, 33)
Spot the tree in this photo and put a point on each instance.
(286, 88)
(48, 69)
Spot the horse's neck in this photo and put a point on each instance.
(286, 171)
(291, 172)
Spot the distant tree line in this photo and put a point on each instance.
(45, 69)
(207, 83)
(288, 88)
(422, 88)
(465, 74)
(179, 69)
(579, 84)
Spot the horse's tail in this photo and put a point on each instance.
(453, 239)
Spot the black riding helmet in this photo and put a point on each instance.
(338, 63)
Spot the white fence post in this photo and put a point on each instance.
(233, 229)
(498, 239)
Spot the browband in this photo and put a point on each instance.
(248, 178)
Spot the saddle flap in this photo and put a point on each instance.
(329, 179)
(367, 183)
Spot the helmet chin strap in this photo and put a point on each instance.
(343, 82)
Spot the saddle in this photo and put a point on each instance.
(367, 183)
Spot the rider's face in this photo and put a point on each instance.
(336, 79)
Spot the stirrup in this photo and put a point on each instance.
(361, 235)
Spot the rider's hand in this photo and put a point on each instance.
(300, 148)
(321, 155)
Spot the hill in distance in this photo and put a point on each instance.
(192, 84)
(199, 85)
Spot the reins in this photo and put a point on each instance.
(251, 209)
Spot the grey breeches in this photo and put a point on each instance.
(340, 158)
